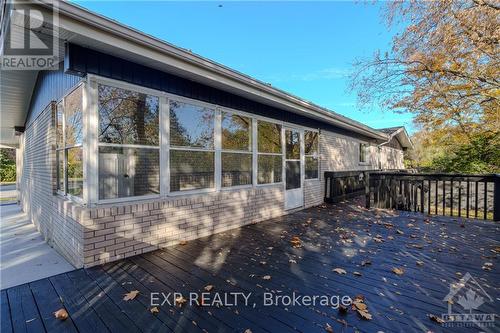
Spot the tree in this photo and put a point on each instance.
(7, 165)
(444, 67)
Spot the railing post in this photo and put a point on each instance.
(367, 189)
(496, 198)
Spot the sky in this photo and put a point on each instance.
(304, 48)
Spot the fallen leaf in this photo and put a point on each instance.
(154, 310)
(131, 295)
(61, 314)
(266, 277)
(328, 328)
(365, 315)
(183, 242)
(180, 300)
(398, 271)
(437, 319)
(360, 306)
(295, 241)
(400, 232)
(419, 263)
(339, 271)
(357, 273)
(209, 287)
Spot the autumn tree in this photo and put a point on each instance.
(444, 67)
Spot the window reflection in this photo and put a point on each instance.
(75, 171)
(73, 114)
(236, 132)
(270, 169)
(190, 170)
(128, 117)
(236, 169)
(126, 172)
(191, 125)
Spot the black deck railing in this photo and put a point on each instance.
(340, 185)
(471, 196)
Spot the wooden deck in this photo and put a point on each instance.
(343, 235)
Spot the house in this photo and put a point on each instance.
(131, 143)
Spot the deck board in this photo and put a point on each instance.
(342, 235)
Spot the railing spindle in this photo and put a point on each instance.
(459, 199)
(436, 198)
(467, 203)
(451, 197)
(429, 194)
(485, 213)
(444, 197)
(476, 196)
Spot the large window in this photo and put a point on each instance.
(311, 145)
(236, 155)
(129, 154)
(192, 149)
(269, 157)
(363, 152)
(69, 150)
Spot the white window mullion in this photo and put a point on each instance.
(85, 143)
(92, 161)
(164, 147)
(254, 152)
(218, 146)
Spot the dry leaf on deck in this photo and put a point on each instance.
(419, 263)
(154, 310)
(131, 295)
(61, 314)
(209, 287)
(437, 319)
(266, 277)
(398, 271)
(183, 242)
(365, 315)
(328, 328)
(357, 273)
(179, 301)
(339, 271)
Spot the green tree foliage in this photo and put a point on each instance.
(480, 155)
(444, 68)
(7, 165)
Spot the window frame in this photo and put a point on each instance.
(282, 154)
(64, 148)
(251, 152)
(91, 142)
(316, 155)
(365, 145)
(95, 109)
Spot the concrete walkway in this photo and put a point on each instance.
(25, 256)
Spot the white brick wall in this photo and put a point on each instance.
(55, 217)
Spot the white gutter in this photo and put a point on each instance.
(132, 35)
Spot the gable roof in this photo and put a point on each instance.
(400, 133)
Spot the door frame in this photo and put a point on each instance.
(300, 130)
